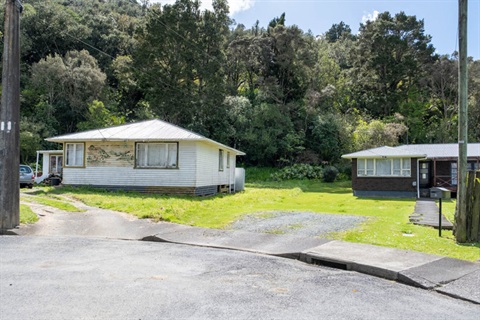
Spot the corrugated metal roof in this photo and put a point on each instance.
(150, 130)
(428, 151)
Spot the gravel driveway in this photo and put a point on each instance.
(303, 224)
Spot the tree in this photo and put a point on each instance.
(474, 101)
(99, 116)
(391, 56)
(338, 31)
(180, 61)
(279, 21)
(270, 138)
(50, 28)
(377, 134)
(69, 84)
(443, 85)
(328, 137)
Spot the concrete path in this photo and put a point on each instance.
(456, 278)
(426, 214)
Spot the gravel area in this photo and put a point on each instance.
(302, 224)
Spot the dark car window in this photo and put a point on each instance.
(25, 169)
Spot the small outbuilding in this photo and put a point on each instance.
(148, 156)
(408, 170)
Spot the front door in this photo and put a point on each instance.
(425, 175)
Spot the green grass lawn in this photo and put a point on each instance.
(388, 223)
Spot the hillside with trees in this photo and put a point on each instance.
(280, 94)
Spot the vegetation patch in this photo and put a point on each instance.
(51, 201)
(27, 215)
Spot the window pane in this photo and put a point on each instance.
(141, 155)
(220, 160)
(360, 167)
(472, 166)
(79, 154)
(453, 173)
(70, 154)
(383, 167)
(370, 170)
(396, 164)
(406, 173)
(397, 167)
(156, 155)
(406, 167)
(172, 155)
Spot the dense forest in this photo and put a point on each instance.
(280, 94)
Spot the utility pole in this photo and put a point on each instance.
(10, 119)
(461, 210)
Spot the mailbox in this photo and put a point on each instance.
(440, 193)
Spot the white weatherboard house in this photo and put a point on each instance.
(148, 156)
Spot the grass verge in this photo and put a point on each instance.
(45, 197)
(27, 215)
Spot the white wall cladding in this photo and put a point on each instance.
(184, 176)
(207, 164)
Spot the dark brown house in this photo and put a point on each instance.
(409, 170)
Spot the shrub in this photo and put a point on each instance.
(254, 174)
(330, 174)
(298, 172)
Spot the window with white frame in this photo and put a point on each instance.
(156, 155)
(75, 154)
(220, 160)
(228, 159)
(398, 167)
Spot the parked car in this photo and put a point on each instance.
(27, 176)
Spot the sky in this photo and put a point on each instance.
(440, 16)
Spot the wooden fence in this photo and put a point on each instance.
(473, 206)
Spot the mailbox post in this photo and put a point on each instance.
(440, 193)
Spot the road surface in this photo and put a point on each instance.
(46, 277)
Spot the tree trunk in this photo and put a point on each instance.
(473, 206)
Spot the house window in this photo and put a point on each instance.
(228, 159)
(454, 173)
(156, 155)
(220, 160)
(75, 154)
(399, 167)
(472, 166)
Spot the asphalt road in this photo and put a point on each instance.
(58, 277)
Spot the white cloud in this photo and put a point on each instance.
(370, 16)
(240, 5)
(235, 6)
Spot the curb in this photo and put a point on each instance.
(453, 277)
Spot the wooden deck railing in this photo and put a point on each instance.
(445, 182)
